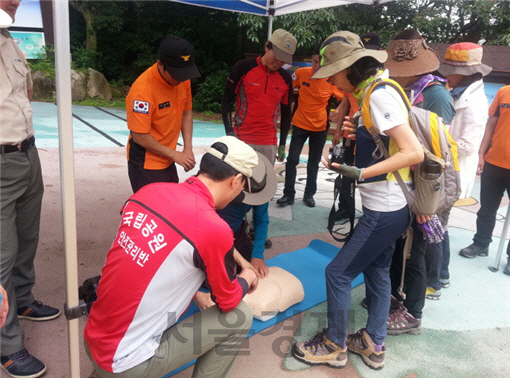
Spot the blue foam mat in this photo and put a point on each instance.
(308, 265)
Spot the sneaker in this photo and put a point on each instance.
(401, 321)
(38, 312)
(474, 250)
(361, 343)
(22, 364)
(445, 282)
(432, 293)
(321, 350)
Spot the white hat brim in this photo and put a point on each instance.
(5, 19)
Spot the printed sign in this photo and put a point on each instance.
(31, 43)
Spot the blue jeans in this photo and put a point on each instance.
(438, 260)
(316, 145)
(437, 256)
(369, 251)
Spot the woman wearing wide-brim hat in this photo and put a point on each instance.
(413, 64)
(464, 70)
(353, 69)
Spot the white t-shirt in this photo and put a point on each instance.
(382, 193)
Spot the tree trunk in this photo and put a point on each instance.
(89, 14)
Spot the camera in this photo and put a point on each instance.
(337, 154)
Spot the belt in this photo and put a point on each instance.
(23, 146)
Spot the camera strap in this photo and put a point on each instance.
(349, 200)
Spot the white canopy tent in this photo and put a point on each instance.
(269, 8)
(272, 8)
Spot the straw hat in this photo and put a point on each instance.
(464, 58)
(409, 55)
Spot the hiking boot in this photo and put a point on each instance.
(401, 321)
(474, 250)
(23, 365)
(38, 312)
(285, 200)
(432, 293)
(507, 267)
(321, 350)
(361, 343)
(308, 200)
(445, 282)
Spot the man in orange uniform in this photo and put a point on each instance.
(494, 168)
(310, 121)
(158, 109)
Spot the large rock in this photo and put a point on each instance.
(97, 85)
(78, 90)
(44, 88)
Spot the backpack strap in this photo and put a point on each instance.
(372, 129)
(406, 254)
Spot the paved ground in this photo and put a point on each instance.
(477, 300)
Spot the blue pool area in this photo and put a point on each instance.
(102, 127)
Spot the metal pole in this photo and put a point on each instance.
(270, 27)
(502, 241)
(65, 137)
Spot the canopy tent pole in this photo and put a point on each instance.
(270, 28)
(65, 137)
(502, 240)
(270, 13)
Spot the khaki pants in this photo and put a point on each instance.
(210, 336)
(21, 192)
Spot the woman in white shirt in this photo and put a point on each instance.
(353, 69)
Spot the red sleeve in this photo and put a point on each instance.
(217, 257)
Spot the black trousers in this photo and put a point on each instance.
(317, 139)
(415, 279)
(139, 177)
(494, 181)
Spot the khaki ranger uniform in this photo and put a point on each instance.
(21, 189)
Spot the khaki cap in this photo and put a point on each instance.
(284, 45)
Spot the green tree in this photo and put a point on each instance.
(444, 21)
(97, 17)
